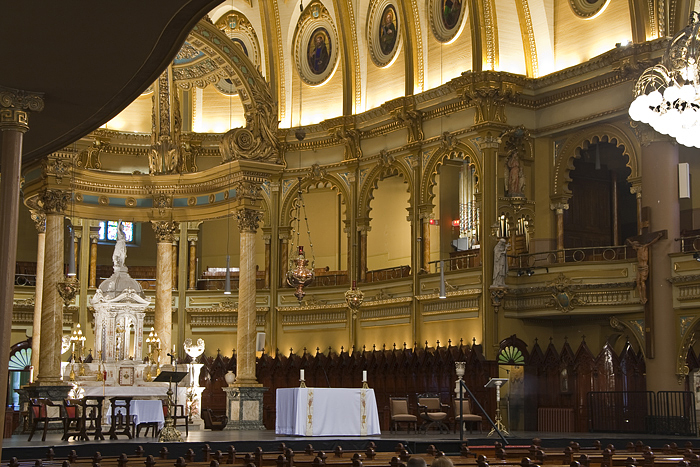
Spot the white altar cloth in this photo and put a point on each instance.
(326, 412)
(143, 411)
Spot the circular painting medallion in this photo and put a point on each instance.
(588, 9)
(315, 45)
(383, 34)
(447, 18)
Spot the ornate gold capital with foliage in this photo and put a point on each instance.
(53, 201)
(165, 230)
(248, 219)
(39, 219)
(258, 140)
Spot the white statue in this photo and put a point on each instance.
(119, 255)
(500, 263)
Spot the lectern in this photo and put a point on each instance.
(498, 423)
(169, 432)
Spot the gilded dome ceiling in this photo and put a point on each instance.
(329, 58)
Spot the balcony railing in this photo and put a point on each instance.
(571, 255)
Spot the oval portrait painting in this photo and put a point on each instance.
(388, 30)
(451, 13)
(319, 51)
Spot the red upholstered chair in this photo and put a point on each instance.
(43, 411)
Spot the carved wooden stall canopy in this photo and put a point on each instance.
(406, 371)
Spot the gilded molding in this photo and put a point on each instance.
(528, 35)
(451, 306)
(378, 314)
(300, 319)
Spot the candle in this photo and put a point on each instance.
(301, 375)
(364, 375)
(31, 374)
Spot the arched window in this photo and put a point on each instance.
(19, 371)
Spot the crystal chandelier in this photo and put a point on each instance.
(299, 274)
(666, 95)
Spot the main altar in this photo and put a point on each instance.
(122, 365)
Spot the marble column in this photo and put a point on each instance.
(284, 236)
(192, 266)
(245, 337)
(363, 228)
(54, 203)
(660, 193)
(174, 265)
(165, 235)
(425, 227)
(559, 209)
(39, 219)
(93, 259)
(268, 258)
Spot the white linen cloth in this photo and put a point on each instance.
(143, 411)
(326, 412)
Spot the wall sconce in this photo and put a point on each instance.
(455, 223)
(526, 272)
(696, 256)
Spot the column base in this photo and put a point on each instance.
(56, 393)
(244, 408)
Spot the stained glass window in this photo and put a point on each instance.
(108, 231)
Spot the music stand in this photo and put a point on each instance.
(169, 432)
(497, 383)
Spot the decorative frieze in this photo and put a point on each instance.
(317, 317)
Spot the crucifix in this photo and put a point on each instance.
(641, 244)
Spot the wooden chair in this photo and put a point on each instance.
(214, 422)
(433, 412)
(398, 406)
(73, 420)
(122, 423)
(43, 411)
(92, 417)
(468, 417)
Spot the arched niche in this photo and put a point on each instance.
(620, 136)
(437, 159)
(389, 167)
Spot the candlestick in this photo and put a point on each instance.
(364, 375)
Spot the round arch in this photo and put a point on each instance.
(305, 184)
(460, 151)
(377, 174)
(620, 136)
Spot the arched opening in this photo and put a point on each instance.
(602, 210)
(19, 371)
(389, 239)
(456, 234)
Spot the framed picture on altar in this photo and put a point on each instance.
(126, 376)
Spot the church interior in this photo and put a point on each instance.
(351, 191)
